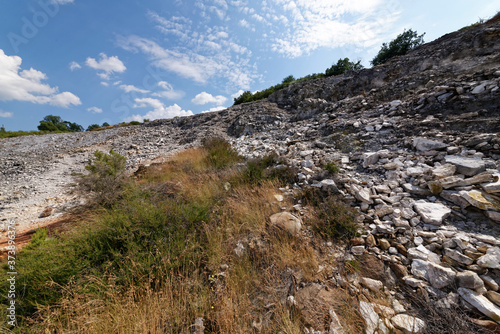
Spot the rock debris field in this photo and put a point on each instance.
(417, 143)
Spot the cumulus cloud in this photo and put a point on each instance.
(28, 85)
(204, 98)
(106, 66)
(5, 114)
(95, 110)
(74, 66)
(159, 111)
(168, 91)
(237, 94)
(213, 109)
(132, 88)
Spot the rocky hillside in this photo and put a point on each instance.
(417, 143)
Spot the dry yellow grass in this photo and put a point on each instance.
(249, 294)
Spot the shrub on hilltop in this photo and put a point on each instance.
(401, 45)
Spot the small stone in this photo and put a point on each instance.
(384, 244)
(370, 241)
(444, 171)
(490, 283)
(491, 259)
(494, 297)
(470, 280)
(408, 324)
(47, 212)
(358, 250)
(466, 166)
(370, 159)
(459, 257)
(423, 144)
(357, 241)
(372, 284)
(279, 198)
(432, 213)
(286, 221)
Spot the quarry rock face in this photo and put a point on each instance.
(416, 141)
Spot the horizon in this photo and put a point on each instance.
(132, 61)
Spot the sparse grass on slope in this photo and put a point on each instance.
(163, 255)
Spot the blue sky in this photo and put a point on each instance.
(94, 61)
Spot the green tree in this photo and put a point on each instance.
(401, 45)
(105, 124)
(55, 123)
(2, 129)
(244, 97)
(288, 80)
(73, 127)
(93, 127)
(342, 66)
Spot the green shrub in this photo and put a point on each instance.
(220, 153)
(336, 220)
(93, 127)
(342, 66)
(265, 168)
(401, 45)
(106, 178)
(332, 168)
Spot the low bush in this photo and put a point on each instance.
(220, 153)
(332, 168)
(106, 178)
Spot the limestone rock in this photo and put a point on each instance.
(408, 324)
(466, 166)
(494, 297)
(481, 303)
(287, 222)
(481, 200)
(438, 276)
(423, 144)
(432, 213)
(457, 256)
(372, 284)
(491, 259)
(470, 280)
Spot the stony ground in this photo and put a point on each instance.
(417, 141)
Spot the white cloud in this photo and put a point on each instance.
(237, 94)
(204, 98)
(168, 91)
(106, 65)
(104, 83)
(302, 26)
(214, 109)
(27, 85)
(192, 65)
(61, 2)
(74, 66)
(132, 88)
(159, 111)
(95, 110)
(195, 51)
(5, 114)
(244, 23)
